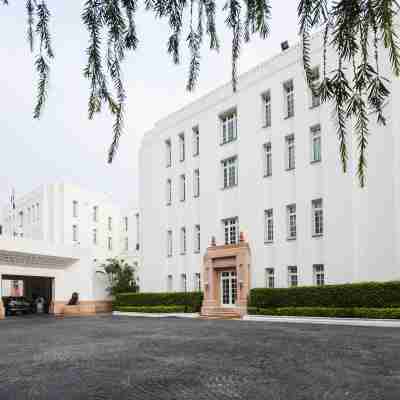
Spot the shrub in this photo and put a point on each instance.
(342, 312)
(191, 301)
(151, 309)
(369, 294)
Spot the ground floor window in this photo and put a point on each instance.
(319, 274)
(197, 282)
(270, 278)
(170, 283)
(183, 283)
(293, 276)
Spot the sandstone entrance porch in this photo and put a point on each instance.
(226, 272)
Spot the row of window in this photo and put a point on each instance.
(183, 241)
(32, 215)
(293, 276)
(95, 213)
(183, 187)
(228, 120)
(75, 237)
(183, 284)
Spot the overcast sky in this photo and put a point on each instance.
(64, 145)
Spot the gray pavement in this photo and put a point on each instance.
(148, 358)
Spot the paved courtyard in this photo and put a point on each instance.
(141, 358)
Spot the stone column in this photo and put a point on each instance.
(2, 310)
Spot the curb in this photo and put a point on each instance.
(155, 315)
(382, 323)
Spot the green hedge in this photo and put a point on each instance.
(354, 312)
(151, 309)
(369, 295)
(191, 301)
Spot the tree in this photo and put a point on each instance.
(353, 29)
(120, 275)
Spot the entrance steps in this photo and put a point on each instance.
(221, 313)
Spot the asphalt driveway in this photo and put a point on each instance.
(141, 358)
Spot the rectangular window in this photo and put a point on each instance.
(168, 153)
(197, 239)
(228, 127)
(315, 97)
(196, 183)
(317, 217)
(196, 141)
(183, 240)
(183, 283)
(266, 98)
(38, 216)
(197, 282)
(183, 187)
(74, 233)
(269, 278)
(169, 243)
(181, 147)
(137, 218)
(110, 223)
(290, 152)
(315, 132)
(110, 244)
(319, 274)
(268, 226)
(126, 224)
(170, 283)
(291, 221)
(267, 159)
(230, 172)
(95, 213)
(231, 230)
(169, 192)
(75, 209)
(95, 237)
(293, 278)
(33, 214)
(288, 90)
(126, 244)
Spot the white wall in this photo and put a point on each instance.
(361, 225)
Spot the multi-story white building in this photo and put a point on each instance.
(265, 161)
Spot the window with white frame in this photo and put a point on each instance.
(168, 153)
(231, 230)
(21, 219)
(170, 283)
(126, 224)
(196, 183)
(228, 127)
(230, 172)
(168, 192)
(183, 240)
(95, 237)
(182, 179)
(75, 209)
(38, 211)
(291, 221)
(197, 239)
(317, 217)
(315, 133)
(29, 215)
(197, 282)
(126, 244)
(290, 152)
(110, 243)
(267, 159)
(169, 243)
(315, 96)
(268, 226)
(266, 98)
(110, 223)
(95, 213)
(319, 274)
(288, 90)
(293, 278)
(74, 233)
(269, 278)
(137, 220)
(181, 138)
(33, 213)
(183, 283)
(196, 140)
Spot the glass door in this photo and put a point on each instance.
(228, 288)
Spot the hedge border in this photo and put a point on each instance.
(151, 309)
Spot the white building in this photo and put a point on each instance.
(265, 161)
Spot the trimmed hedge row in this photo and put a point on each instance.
(369, 295)
(355, 312)
(151, 309)
(190, 301)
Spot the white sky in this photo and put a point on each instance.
(64, 145)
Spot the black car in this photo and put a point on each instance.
(17, 305)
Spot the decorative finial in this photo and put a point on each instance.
(213, 241)
(241, 237)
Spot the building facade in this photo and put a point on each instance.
(265, 161)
